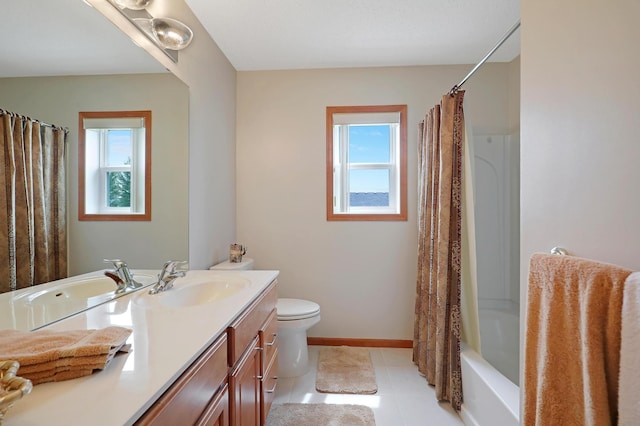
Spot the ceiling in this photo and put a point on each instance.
(68, 37)
(294, 34)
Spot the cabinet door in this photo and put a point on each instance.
(246, 326)
(217, 413)
(186, 400)
(245, 388)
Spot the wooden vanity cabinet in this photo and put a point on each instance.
(197, 391)
(250, 358)
(233, 381)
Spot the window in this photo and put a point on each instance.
(114, 166)
(367, 163)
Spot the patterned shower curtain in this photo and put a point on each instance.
(33, 226)
(436, 343)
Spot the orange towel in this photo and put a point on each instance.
(572, 341)
(63, 375)
(46, 355)
(71, 362)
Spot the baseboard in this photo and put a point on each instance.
(370, 343)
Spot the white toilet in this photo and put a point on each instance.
(295, 317)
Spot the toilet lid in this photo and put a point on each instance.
(295, 309)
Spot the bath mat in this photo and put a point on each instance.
(344, 369)
(320, 415)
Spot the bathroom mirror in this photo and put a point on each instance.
(90, 65)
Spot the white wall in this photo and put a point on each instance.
(580, 128)
(361, 273)
(212, 110)
(58, 100)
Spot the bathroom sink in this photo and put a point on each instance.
(87, 289)
(194, 291)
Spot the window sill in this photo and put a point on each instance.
(353, 217)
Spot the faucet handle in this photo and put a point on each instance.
(117, 263)
(122, 270)
(170, 267)
(167, 275)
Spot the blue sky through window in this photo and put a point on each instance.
(119, 147)
(369, 144)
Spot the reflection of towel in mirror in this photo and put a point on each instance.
(46, 355)
(572, 342)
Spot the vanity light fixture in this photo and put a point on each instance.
(169, 34)
(133, 4)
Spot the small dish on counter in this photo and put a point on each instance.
(12, 387)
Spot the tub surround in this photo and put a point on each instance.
(165, 342)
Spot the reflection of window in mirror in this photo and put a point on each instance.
(114, 166)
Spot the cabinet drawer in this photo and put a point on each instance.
(246, 327)
(186, 400)
(269, 338)
(268, 385)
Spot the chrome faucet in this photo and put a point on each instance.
(122, 275)
(167, 276)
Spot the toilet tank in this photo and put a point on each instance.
(246, 264)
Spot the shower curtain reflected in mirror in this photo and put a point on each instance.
(33, 238)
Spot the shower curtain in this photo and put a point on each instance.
(33, 235)
(436, 345)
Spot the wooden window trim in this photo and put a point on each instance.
(331, 216)
(82, 215)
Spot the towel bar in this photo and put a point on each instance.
(560, 251)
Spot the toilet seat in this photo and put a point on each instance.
(296, 309)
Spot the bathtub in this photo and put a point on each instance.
(490, 397)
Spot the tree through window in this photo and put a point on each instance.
(115, 165)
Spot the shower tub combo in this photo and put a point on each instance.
(490, 397)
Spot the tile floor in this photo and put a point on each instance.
(403, 399)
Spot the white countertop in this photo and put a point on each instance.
(165, 341)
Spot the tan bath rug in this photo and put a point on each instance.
(320, 415)
(344, 369)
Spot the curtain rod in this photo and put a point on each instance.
(24, 117)
(513, 29)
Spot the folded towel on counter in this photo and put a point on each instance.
(46, 355)
(67, 363)
(61, 376)
(629, 387)
(572, 341)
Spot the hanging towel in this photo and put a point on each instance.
(629, 390)
(572, 341)
(46, 355)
